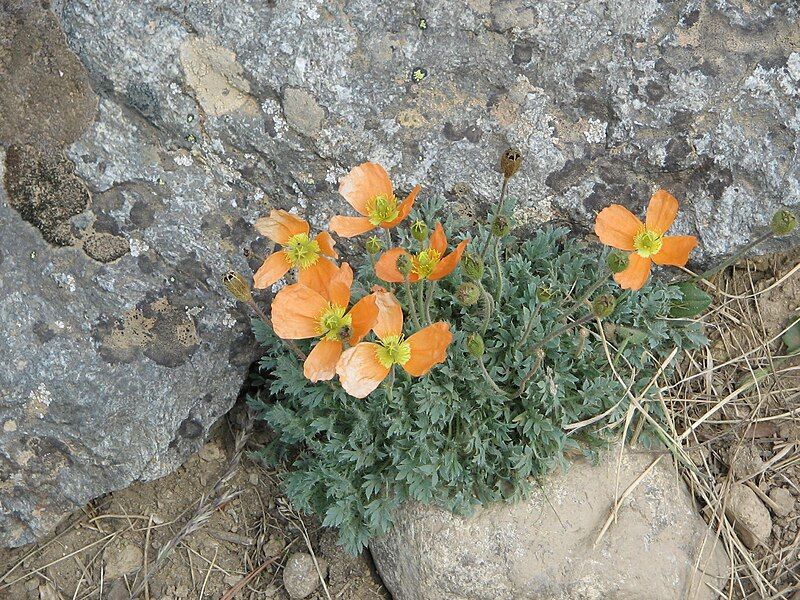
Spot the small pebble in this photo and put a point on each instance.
(751, 518)
(300, 577)
(783, 500)
(745, 461)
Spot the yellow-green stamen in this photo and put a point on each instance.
(301, 251)
(426, 262)
(382, 209)
(393, 350)
(332, 321)
(647, 242)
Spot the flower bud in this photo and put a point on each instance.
(510, 162)
(543, 294)
(617, 261)
(238, 287)
(603, 306)
(500, 226)
(475, 345)
(404, 264)
(419, 231)
(473, 266)
(468, 293)
(373, 245)
(783, 222)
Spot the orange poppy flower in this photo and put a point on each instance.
(429, 264)
(298, 251)
(363, 367)
(616, 226)
(367, 188)
(301, 312)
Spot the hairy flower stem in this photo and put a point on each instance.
(489, 379)
(733, 259)
(528, 327)
(429, 300)
(266, 320)
(498, 292)
(545, 340)
(580, 302)
(499, 211)
(390, 387)
(421, 298)
(488, 307)
(411, 304)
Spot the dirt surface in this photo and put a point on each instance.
(100, 551)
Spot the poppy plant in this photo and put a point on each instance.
(368, 190)
(301, 312)
(430, 264)
(298, 251)
(617, 227)
(363, 367)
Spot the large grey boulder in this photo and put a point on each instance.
(134, 167)
(543, 548)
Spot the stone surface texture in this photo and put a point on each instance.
(139, 141)
(543, 548)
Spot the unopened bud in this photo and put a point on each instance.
(404, 264)
(419, 231)
(468, 293)
(617, 261)
(500, 226)
(510, 162)
(603, 306)
(472, 265)
(237, 286)
(783, 222)
(475, 345)
(373, 245)
(544, 294)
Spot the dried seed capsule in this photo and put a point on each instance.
(500, 226)
(237, 286)
(510, 162)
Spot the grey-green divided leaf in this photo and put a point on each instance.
(693, 301)
(792, 338)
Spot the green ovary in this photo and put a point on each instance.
(393, 350)
(332, 321)
(382, 209)
(647, 242)
(426, 262)
(301, 251)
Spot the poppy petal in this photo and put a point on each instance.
(363, 316)
(280, 225)
(360, 372)
(326, 244)
(636, 274)
(339, 286)
(390, 315)
(295, 310)
(350, 226)
(661, 211)
(616, 226)
(272, 270)
(320, 365)
(386, 267)
(318, 276)
(363, 183)
(428, 348)
(405, 208)
(448, 264)
(675, 251)
(438, 240)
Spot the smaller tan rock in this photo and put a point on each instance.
(751, 518)
(745, 461)
(302, 111)
(784, 501)
(122, 560)
(300, 577)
